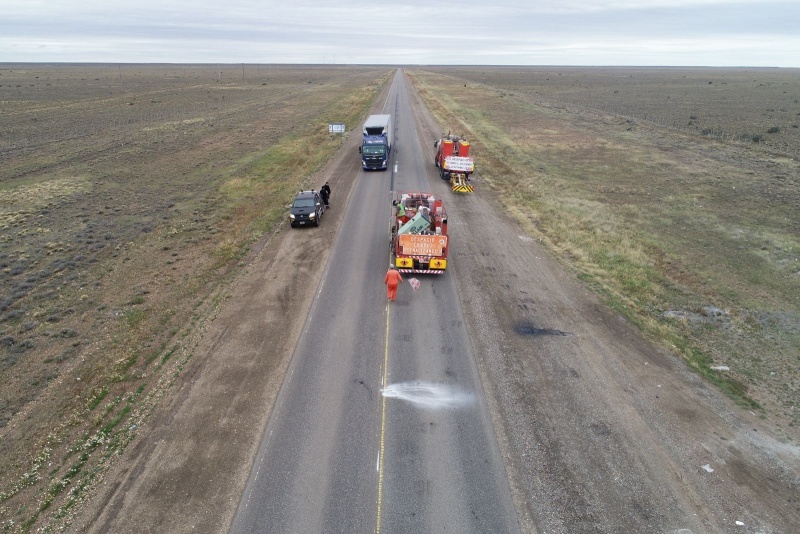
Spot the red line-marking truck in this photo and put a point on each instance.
(419, 240)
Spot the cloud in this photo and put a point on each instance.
(611, 32)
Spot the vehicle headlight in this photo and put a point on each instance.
(312, 216)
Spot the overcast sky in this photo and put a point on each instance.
(404, 32)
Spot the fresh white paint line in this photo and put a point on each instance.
(428, 394)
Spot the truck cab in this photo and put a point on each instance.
(374, 152)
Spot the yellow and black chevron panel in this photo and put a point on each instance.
(438, 263)
(461, 188)
(404, 262)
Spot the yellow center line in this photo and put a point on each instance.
(383, 422)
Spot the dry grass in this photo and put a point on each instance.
(694, 239)
(129, 206)
(734, 105)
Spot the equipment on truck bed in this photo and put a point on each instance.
(454, 162)
(419, 240)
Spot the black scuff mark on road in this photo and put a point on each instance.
(531, 330)
(360, 381)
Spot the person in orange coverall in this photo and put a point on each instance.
(392, 280)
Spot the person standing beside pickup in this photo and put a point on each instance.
(325, 193)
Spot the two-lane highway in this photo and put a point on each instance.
(381, 424)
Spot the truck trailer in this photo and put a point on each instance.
(376, 142)
(419, 240)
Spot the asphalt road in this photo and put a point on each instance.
(338, 455)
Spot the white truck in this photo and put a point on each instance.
(376, 143)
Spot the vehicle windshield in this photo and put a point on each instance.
(376, 150)
(304, 203)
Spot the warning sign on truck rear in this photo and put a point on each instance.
(459, 164)
(422, 245)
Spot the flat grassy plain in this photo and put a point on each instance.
(649, 184)
(129, 194)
